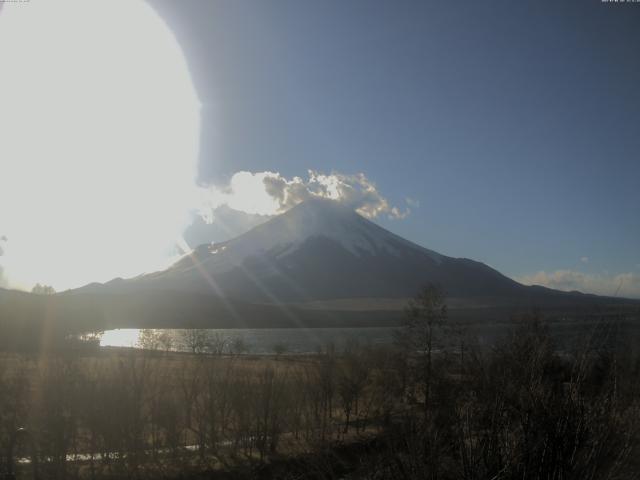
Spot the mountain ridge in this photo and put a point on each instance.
(321, 250)
(318, 264)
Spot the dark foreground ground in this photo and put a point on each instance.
(521, 408)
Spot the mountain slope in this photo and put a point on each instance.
(318, 264)
(321, 250)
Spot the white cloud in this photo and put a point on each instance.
(270, 193)
(246, 192)
(621, 285)
(584, 259)
(226, 223)
(412, 202)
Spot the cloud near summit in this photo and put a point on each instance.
(270, 193)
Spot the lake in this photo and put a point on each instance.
(309, 340)
(264, 340)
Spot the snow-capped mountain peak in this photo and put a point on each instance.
(317, 218)
(321, 250)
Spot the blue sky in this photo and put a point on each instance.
(514, 125)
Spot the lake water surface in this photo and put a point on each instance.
(265, 340)
(310, 340)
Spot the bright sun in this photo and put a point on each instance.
(99, 132)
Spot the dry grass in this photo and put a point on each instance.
(520, 410)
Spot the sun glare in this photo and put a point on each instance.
(99, 133)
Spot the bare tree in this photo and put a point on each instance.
(279, 349)
(14, 405)
(166, 340)
(196, 340)
(425, 315)
(239, 346)
(352, 379)
(43, 289)
(148, 339)
(217, 343)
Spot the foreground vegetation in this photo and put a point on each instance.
(521, 409)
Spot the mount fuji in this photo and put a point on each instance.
(321, 250)
(318, 264)
(321, 254)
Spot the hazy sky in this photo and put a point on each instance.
(513, 125)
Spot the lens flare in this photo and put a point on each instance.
(99, 135)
